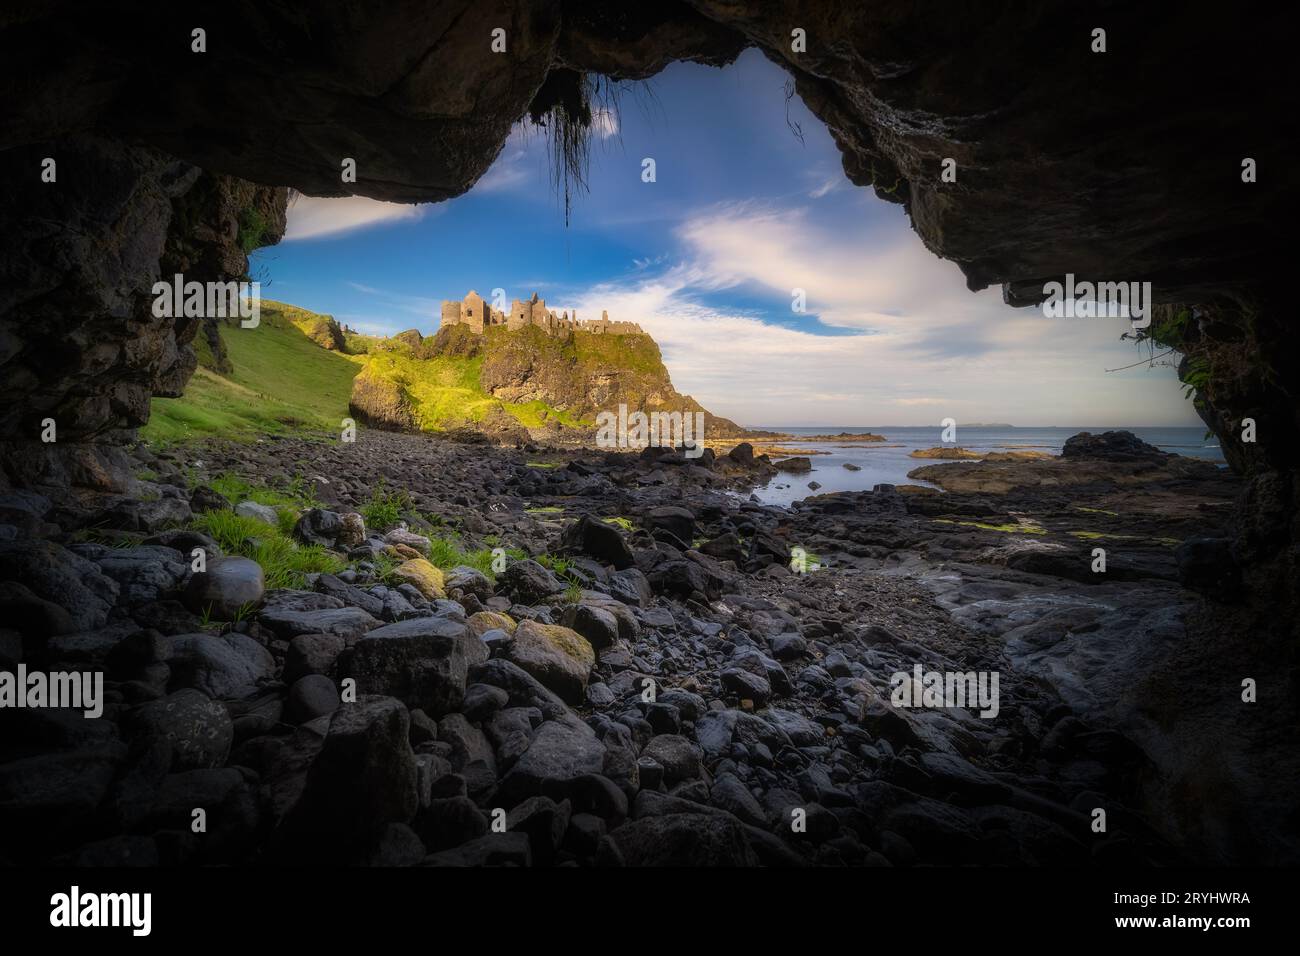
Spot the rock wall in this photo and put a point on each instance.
(79, 343)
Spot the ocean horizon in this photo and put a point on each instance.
(888, 462)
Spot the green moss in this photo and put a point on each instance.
(1095, 535)
(623, 523)
(1097, 511)
(542, 464)
(1028, 528)
(537, 413)
(548, 510)
(252, 230)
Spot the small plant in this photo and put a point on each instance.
(560, 566)
(1196, 378)
(384, 509)
(231, 531)
(283, 562)
(252, 228)
(564, 570)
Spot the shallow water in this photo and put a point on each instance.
(887, 462)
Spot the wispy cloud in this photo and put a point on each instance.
(314, 218)
(509, 171)
(423, 306)
(925, 328)
(604, 123)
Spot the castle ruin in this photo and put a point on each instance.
(479, 315)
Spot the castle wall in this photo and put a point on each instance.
(479, 315)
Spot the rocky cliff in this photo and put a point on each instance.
(515, 385)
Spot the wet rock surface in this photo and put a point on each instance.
(650, 703)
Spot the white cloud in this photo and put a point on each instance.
(423, 306)
(507, 172)
(604, 123)
(828, 185)
(315, 218)
(926, 330)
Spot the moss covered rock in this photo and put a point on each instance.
(422, 575)
(560, 658)
(484, 621)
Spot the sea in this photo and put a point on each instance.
(887, 462)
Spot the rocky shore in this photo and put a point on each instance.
(643, 676)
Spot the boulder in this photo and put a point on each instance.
(57, 575)
(204, 499)
(679, 522)
(524, 689)
(421, 575)
(197, 729)
(596, 624)
(559, 755)
(363, 779)
(631, 586)
(409, 539)
(320, 527)
(143, 573)
(345, 622)
(677, 755)
(604, 542)
(311, 654)
(229, 586)
(352, 531)
(679, 839)
(529, 582)
(797, 464)
(263, 513)
(350, 595)
(483, 621)
(28, 614)
(310, 697)
(1111, 446)
(559, 657)
(226, 666)
(469, 581)
(423, 661)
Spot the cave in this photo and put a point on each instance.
(167, 142)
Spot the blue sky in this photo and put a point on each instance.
(705, 258)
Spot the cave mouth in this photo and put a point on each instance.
(1144, 690)
(710, 206)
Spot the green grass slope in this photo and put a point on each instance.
(300, 370)
(282, 379)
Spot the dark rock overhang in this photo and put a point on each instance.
(1123, 164)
